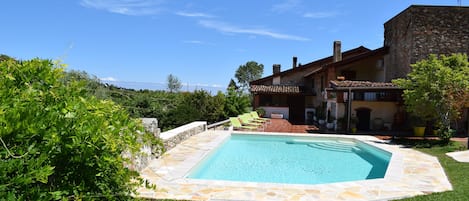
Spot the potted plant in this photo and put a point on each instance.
(418, 125)
(341, 122)
(353, 124)
(260, 111)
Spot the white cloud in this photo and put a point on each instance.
(125, 7)
(108, 79)
(217, 86)
(287, 5)
(198, 42)
(194, 14)
(227, 28)
(318, 15)
(193, 41)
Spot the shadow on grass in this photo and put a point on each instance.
(422, 143)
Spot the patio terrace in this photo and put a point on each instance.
(410, 173)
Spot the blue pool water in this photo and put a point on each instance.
(294, 160)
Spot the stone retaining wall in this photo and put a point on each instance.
(173, 137)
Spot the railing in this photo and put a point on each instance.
(217, 125)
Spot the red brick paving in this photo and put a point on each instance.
(283, 126)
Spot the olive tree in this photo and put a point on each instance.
(174, 85)
(437, 89)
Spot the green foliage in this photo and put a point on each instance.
(260, 111)
(437, 89)
(196, 106)
(174, 85)
(171, 109)
(58, 141)
(236, 102)
(5, 57)
(248, 72)
(232, 84)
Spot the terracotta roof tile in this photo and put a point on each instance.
(284, 89)
(361, 84)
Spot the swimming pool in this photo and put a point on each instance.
(292, 160)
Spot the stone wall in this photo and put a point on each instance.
(140, 161)
(422, 30)
(173, 137)
(170, 139)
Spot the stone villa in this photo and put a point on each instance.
(357, 82)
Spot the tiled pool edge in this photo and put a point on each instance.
(410, 173)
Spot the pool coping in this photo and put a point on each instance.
(409, 173)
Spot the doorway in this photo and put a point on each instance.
(363, 115)
(296, 113)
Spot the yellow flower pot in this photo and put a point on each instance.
(419, 131)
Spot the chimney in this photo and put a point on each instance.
(337, 56)
(295, 60)
(276, 68)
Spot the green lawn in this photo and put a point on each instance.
(458, 173)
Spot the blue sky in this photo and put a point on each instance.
(138, 43)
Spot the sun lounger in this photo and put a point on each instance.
(238, 126)
(248, 120)
(256, 116)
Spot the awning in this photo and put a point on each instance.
(346, 85)
(276, 89)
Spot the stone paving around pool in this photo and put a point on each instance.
(410, 173)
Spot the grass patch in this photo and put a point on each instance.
(457, 173)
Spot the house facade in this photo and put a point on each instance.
(355, 84)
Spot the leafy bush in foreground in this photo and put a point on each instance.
(57, 142)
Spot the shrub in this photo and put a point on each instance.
(59, 142)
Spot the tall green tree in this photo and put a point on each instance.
(232, 84)
(248, 72)
(236, 102)
(437, 88)
(60, 143)
(174, 85)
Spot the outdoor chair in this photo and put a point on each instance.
(256, 116)
(238, 126)
(248, 120)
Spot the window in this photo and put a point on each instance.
(377, 96)
(273, 100)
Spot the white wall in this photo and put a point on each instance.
(277, 110)
(384, 110)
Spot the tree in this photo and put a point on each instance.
(232, 84)
(4, 57)
(437, 89)
(174, 85)
(248, 72)
(236, 102)
(60, 143)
